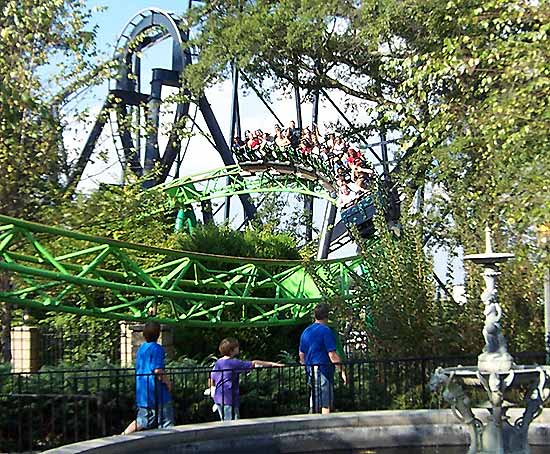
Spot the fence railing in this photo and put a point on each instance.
(52, 408)
(59, 345)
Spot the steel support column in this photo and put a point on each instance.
(136, 63)
(234, 109)
(298, 101)
(88, 149)
(326, 235)
(308, 201)
(223, 149)
(152, 154)
(393, 197)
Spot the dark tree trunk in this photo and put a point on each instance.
(5, 319)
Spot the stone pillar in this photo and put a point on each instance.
(131, 338)
(166, 339)
(125, 345)
(25, 344)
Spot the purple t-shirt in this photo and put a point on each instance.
(225, 376)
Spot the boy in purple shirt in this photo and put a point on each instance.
(225, 378)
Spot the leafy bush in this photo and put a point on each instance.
(253, 242)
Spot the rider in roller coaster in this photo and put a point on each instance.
(332, 157)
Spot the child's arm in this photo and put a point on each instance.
(161, 375)
(259, 363)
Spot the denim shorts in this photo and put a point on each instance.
(228, 412)
(147, 417)
(322, 394)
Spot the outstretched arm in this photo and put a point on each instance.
(259, 363)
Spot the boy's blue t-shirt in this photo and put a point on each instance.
(150, 356)
(316, 342)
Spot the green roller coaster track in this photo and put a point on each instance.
(53, 269)
(246, 179)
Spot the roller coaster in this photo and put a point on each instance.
(54, 269)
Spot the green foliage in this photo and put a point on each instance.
(48, 55)
(253, 242)
(393, 301)
(397, 295)
(256, 343)
(87, 342)
(125, 213)
(475, 97)
(313, 43)
(465, 83)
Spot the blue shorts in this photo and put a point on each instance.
(322, 394)
(147, 417)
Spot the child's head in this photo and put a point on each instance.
(151, 331)
(229, 347)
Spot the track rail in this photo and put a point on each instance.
(249, 178)
(55, 269)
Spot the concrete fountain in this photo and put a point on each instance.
(497, 374)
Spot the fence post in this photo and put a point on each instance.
(423, 367)
(25, 345)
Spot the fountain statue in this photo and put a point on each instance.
(497, 374)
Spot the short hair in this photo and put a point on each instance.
(151, 331)
(321, 311)
(227, 345)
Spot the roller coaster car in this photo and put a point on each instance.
(361, 216)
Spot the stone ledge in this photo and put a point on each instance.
(312, 433)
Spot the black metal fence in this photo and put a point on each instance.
(57, 345)
(49, 409)
(62, 345)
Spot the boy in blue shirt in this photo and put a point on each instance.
(318, 352)
(153, 386)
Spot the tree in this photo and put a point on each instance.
(464, 82)
(480, 75)
(45, 57)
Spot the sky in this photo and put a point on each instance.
(253, 114)
(200, 155)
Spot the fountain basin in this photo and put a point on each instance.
(344, 432)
